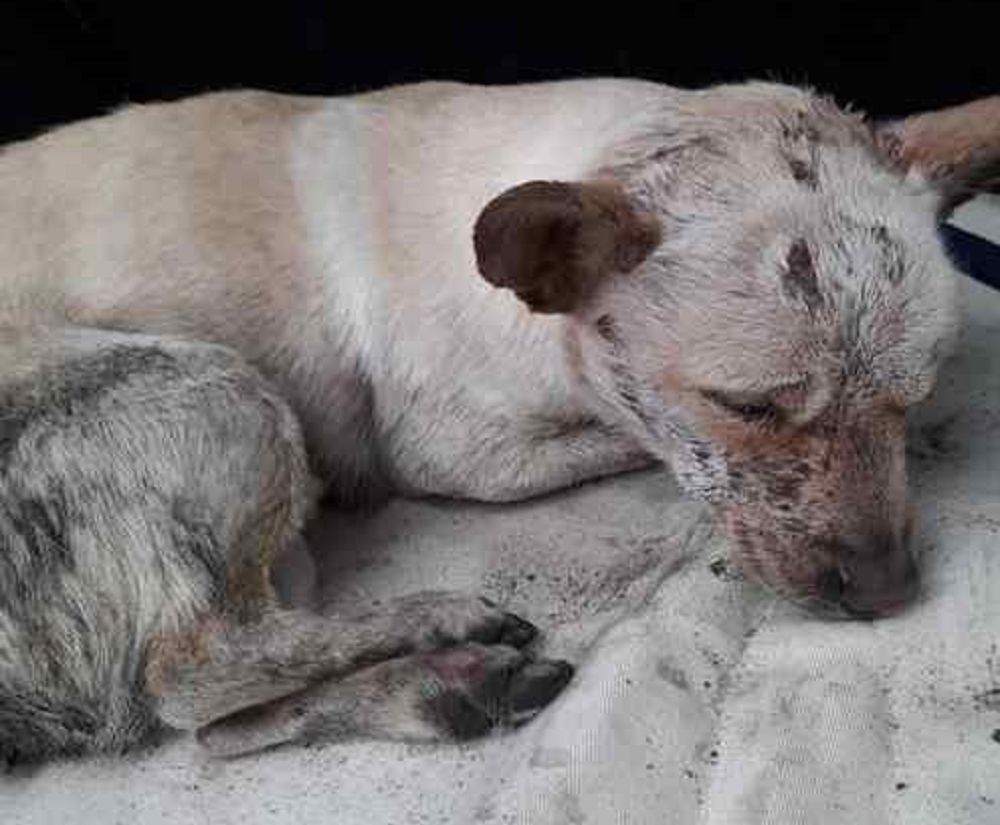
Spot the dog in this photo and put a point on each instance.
(219, 309)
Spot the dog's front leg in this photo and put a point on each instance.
(499, 462)
(225, 663)
(427, 666)
(454, 693)
(552, 461)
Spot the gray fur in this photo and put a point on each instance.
(120, 501)
(57, 390)
(132, 536)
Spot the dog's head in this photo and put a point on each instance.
(758, 290)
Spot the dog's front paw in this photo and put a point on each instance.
(470, 690)
(436, 619)
(445, 695)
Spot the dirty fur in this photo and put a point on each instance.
(218, 308)
(798, 437)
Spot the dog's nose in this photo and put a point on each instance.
(873, 585)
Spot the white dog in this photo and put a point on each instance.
(208, 304)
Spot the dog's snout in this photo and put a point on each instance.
(875, 583)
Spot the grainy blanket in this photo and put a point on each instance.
(700, 698)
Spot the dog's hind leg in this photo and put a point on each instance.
(144, 484)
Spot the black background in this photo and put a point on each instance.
(66, 59)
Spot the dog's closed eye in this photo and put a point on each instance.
(754, 409)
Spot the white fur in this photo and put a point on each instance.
(329, 241)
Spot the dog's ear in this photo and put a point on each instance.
(552, 243)
(957, 149)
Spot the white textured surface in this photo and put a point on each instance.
(980, 216)
(699, 699)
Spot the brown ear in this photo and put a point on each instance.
(552, 243)
(958, 149)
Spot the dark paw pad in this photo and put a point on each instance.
(477, 689)
(535, 685)
(504, 629)
(458, 715)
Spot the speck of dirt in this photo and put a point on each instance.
(995, 736)
(900, 786)
(988, 700)
(722, 569)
